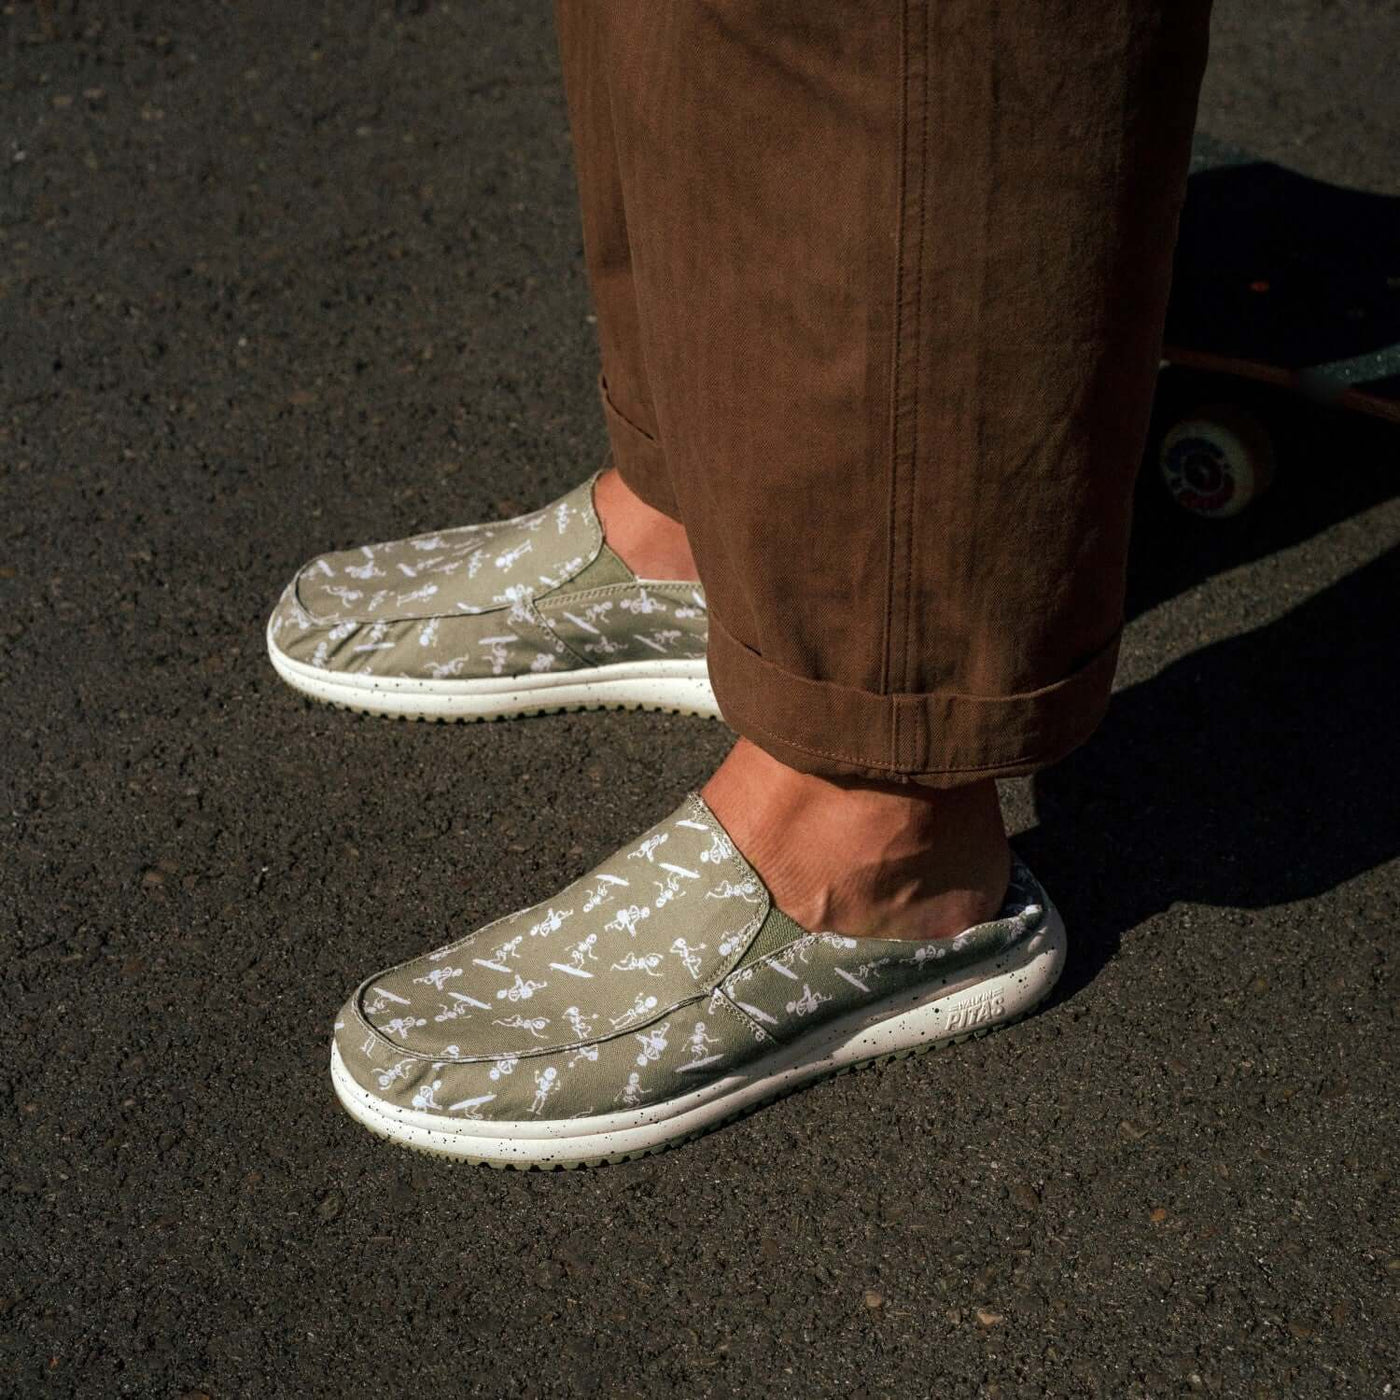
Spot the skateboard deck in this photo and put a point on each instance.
(1281, 281)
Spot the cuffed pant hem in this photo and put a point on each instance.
(638, 457)
(935, 739)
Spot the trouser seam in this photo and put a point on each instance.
(907, 364)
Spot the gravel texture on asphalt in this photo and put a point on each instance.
(276, 278)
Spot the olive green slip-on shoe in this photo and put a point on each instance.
(655, 999)
(526, 616)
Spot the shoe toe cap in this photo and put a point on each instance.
(318, 622)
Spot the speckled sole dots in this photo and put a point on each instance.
(971, 1002)
(681, 686)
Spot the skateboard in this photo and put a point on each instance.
(1285, 296)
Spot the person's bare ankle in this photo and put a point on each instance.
(881, 860)
(649, 542)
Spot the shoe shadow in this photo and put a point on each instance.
(1255, 772)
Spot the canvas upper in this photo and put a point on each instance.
(665, 967)
(542, 592)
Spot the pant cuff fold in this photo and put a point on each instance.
(935, 738)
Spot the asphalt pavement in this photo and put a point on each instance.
(278, 278)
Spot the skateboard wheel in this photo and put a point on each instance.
(1216, 461)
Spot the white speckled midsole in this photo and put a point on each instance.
(976, 999)
(682, 685)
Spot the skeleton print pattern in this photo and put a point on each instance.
(572, 967)
(824, 975)
(565, 1009)
(638, 621)
(534, 594)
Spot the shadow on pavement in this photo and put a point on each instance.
(1257, 771)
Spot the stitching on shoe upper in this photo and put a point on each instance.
(694, 805)
(590, 519)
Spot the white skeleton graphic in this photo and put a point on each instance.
(374, 639)
(521, 990)
(535, 1025)
(497, 961)
(497, 652)
(399, 1071)
(423, 1095)
(633, 962)
(699, 1040)
(653, 1043)
(566, 570)
(628, 919)
(382, 997)
(518, 595)
(647, 850)
(508, 557)
(401, 1025)
(631, 1094)
(602, 892)
(546, 1082)
(698, 610)
(872, 969)
(582, 1026)
(746, 889)
(581, 950)
(509, 949)
(671, 887)
(851, 978)
(689, 956)
(461, 1005)
(504, 1066)
(583, 622)
(583, 1052)
(442, 670)
(435, 977)
(428, 634)
(643, 604)
(643, 1006)
(550, 923)
(806, 1003)
(718, 851)
(926, 952)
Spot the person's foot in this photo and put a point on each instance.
(524, 616)
(658, 997)
(894, 860)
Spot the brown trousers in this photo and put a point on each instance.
(880, 291)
